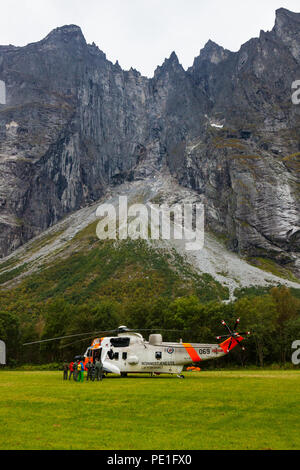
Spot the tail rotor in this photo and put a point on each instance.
(233, 338)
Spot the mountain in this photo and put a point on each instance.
(68, 259)
(75, 125)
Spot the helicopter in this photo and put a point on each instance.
(127, 352)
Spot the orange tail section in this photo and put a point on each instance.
(234, 343)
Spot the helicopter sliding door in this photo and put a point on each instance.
(97, 354)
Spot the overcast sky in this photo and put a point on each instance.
(142, 33)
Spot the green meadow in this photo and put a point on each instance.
(207, 410)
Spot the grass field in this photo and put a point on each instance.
(207, 410)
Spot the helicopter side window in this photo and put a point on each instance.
(116, 356)
(121, 342)
(110, 354)
(158, 355)
(124, 356)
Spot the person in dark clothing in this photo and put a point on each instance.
(65, 370)
(99, 367)
(93, 371)
(89, 367)
(75, 375)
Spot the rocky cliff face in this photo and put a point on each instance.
(74, 123)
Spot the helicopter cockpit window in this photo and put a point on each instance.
(121, 342)
(89, 353)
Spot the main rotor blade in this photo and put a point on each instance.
(242, 347)
(75, 342)
(223, 337)
(66, 336)
(149, 329)
(225, 324)
(95, 333)
(229, 346)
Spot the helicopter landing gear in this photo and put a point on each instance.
(123, 374)
(181, 376)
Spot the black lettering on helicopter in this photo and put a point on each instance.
(166, 363)
(204, 351)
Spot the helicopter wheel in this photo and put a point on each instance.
(181, 376)
(123, 374)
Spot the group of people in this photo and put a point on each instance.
(77, 368)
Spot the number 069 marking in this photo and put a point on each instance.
(204, 351)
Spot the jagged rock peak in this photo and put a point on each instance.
(288, 14)
(171, 61)
(170, 64)
(94, 50)
(173, 57)
(211, 45)
(66, 33)
(286, 19)
(287, 29)
(212, 53)
(134, 71)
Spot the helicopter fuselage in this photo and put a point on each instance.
(131, 353)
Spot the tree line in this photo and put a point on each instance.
(273, 319)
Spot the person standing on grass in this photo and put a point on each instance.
(93, 371)
(80, 371)
(99, 368)
(65, 369)
(89, 367)
(75, 368)
(71, 368)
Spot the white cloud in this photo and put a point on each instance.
(141, 33)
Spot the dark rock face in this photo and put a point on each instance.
(248, 170)
(74, 123)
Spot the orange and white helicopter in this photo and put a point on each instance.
(128, 352)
